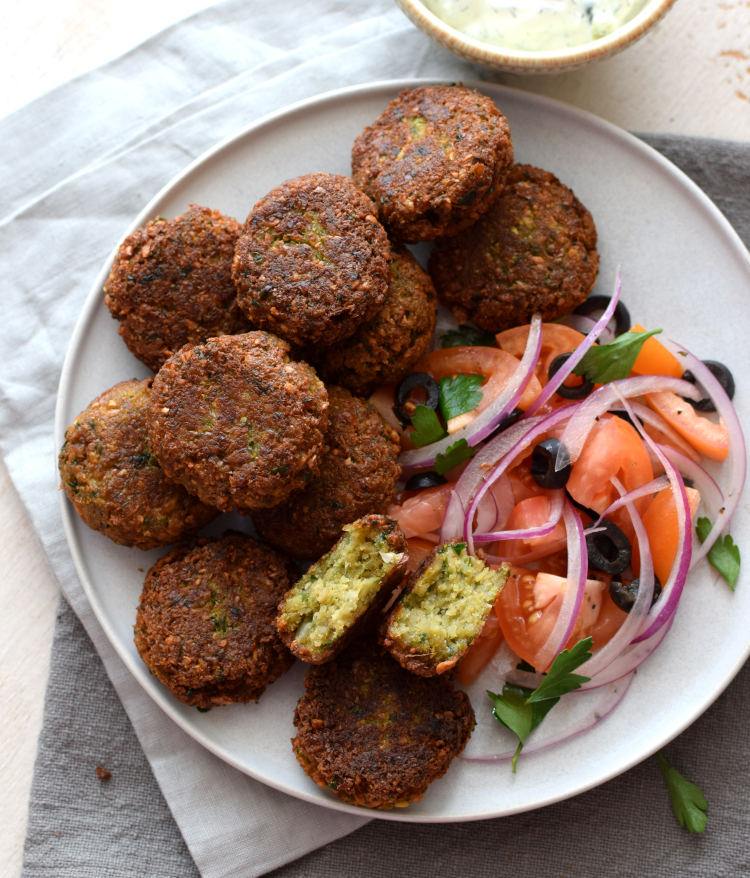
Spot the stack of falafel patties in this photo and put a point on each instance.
(266, 338)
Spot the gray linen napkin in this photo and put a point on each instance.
(76, 166)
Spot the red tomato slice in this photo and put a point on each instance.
(613, 448)
(556, 339)
(422, 514)
(706, 436)
(480, 652)
(528, 606)
(494, 365)
(660, 523)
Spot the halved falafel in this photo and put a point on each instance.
(357, 475)
(374, 734)
(534, 251)
(338, 594)
(205, 625)
(385, 348)
(442, 609)
(171, 283)
(434, 160)
(237, 422)
(113, 479)
(312, 262)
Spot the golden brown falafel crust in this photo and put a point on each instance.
(237, 422)
(434, 160)
(374, 734)
(205, 625)
(533, 251)
(357, 475)
(312, 262)
(398, 336)
(171, 283)
(114, 481)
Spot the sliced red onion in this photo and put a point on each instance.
(737, 452)
(503, 452)
(652, 487)
(654, 419)
(600, 708)
(632, 658)
(665, 606)
(488, 419)
(633, 624)
(604, 398)
(584, 324)
(541, 530)
(575, 358)
(574, 589)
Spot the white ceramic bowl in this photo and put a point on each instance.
(542, 61)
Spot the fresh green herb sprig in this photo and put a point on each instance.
(453, 456)
(427, 426)
(459, 394)
(521, 710)
(686, 798)
(724, 555)
(610, 362)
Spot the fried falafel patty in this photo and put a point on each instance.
(205, 625)
(237, 422)
(398, 336)
(171, 283)
(442, 609)
(340, 593)
(357, 475)
(113, 479)
(434, 160)
(312, 262)
(374, 734)
(533, 251)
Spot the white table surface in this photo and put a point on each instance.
(691, 75)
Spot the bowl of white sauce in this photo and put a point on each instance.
(534, 36)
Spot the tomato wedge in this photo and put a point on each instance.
(705, 435)
(613, 448)
(422, 514)
(528, 606)
(654, 359)
(660, 523)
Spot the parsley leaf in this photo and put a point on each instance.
(610, 362)
(427, 426)
(521, 710)
(466, 336)
(686, 798)
(454, 454)
(459, 394)
(724, 555)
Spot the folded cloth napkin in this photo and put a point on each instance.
(77, 165)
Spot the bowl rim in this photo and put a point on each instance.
(497, 56)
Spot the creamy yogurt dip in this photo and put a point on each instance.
(533, 25)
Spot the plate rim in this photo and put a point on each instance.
(94, 299)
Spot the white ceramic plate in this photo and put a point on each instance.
(684, 269)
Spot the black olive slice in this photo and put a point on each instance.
(625, 593)
(608, 549)
(577, 391)
(596, 305)
(509, 420)
(722, 375)
(543, 459)
(424, 480)
(404, 389)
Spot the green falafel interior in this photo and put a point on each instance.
(340, 588)
(444, 608)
